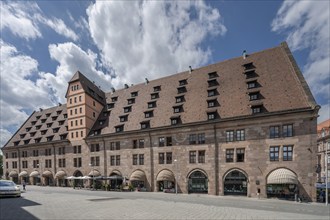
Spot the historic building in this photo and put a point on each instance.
(244, 126)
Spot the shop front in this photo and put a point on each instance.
(35, 178)
(14, 176)
(48, 178)
(137, 180)
(283, 184)
(60, 178)
(24, 176)
(115, 181)
(235, 183)
(198, 182)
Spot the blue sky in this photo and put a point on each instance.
(116, 42)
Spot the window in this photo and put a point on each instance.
(192, 139)
(17, 142)
(229, 136)
(130, 101)
(155, 95)
(61, 122)
(55, 130)
(212, 115)
(212, 103)
(288, 130)
(134, 94)
(168, 141)
(273, 153)
(212, 82)
(77, 162)
(112, 160)
(141, 159)
(161, 142)
(71, 112)
(287, 152)
(24, 154)
(26, 141)
(251, 85)
(178, 109)
(54, 118)
(35, 153)
(135, 159)
(256, 109)
(93, 103)
(157, 88)
(240, 135)
(182, 89)
(213, 75)
(201, 156)
(128, 109)
(95, 147)
(61, 150)
(80, 110)
(27, 129)
(114, 99)
(75, 111)
(149, 114)
(22, 135)
(38, 127)
(48, 163)
(65, 115)
(179, 99)
(123, 118)
(274, 132)
(80, 98)
(192, 156)
(33, 122)
(32, 134)
(201, 138)
(169, 158)
(141, 143)
(94, 115)
(152, 104)
(175, 120)
(24, 164)
(95, 161)
(161, 159)
(35, 163)
(75, 100)
(77, 149)
(119, 128)
(229, 155)
(145, 124)
(254, 96)
(115, 145)
(212, 92)
(14, 164)
(14, 155)
(70, 100)
(240, 155)
(110, 105)
(117, 160)
(135, 145)
(61, 162)
(183, 82)
(37, 140)
(48, 152)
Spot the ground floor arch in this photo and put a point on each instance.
(24, 177)
(78, 182)
(165, 181)
(197, 182)
(138, 179)
(60, 178)
(115, 180)
(282, 183)
(235, 183)
(48, 179)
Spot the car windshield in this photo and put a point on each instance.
(6, 183)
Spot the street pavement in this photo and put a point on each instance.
(67, 203)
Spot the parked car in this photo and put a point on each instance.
(9, 188)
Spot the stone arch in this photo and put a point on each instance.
(138, 179)
(197, 181)
(235, 182)
(166, 181)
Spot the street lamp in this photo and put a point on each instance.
(39, 166)
(176, 176)
(92, 165)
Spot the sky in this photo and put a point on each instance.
(43, 43)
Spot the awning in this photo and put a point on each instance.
(115, 177)
(282, 176)
(23, 174)
(13, 173)
(60, 174)
(116, 172)
(47, 173)
(165, 175)
(34, 174)
(94, 173)
(137, 175)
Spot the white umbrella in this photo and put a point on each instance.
(70, 177)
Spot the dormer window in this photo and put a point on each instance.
(212, 82)
(49, 125)
(157, 88)
(54, 118)
(22, 135)
(254, 96)
(101, 122)
(106, 114)
(119, 128)
(97, 132)
(178, 109)
(16, 143)
(27, 141)
(38, 117)
(130, 101)
(63, 136)
(145, 124)
(149, 114)
(47, 115)
(43, 120)
(134, 94)
(65, 115)
(61, 122)
(248, 66)
(33, 122)
(251, 85)
(127, 109)
(123, 118)
(175, 120)
(55, 130)
(212, 115)
(212, 92)
(58, 112)
(183, 82)
(256, 109)
(38, 127)
(212, 103)
(37, 140)
(43, 132)
(155, 95)
(179, 99)
(110, 105)
(50, 138)
(114, 99)
(182, 89)
(28, 129)
(152, 104)
(32, 134)
(213, 75)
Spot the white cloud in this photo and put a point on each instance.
(324, 113)
(5, 135)
(157, 38)
(306, 24)
(24, 19)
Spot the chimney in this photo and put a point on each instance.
(190, 69)
(59, 104)
(147, 81)
(40, 109)
(244, 54)
(126, 86)
(113, 90)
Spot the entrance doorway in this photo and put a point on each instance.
(235, 183)
(198, 182)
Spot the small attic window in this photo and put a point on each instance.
(179, 99)
(157, 88)
(37, 140)
(38, 127)
(130, 101)
(27, 141)
(127, 109)
(212, 92)
(33, 122)
(110, 105)
(50, 138)
(149, 114)
(43, 120)
(58, 112)
(212, 115)
(43, 132)
(55, 130)
(28, 129)
(175, 120)
(61, 122)
(49, 125)
(177, 109)
(213, 75)
(106, 114)
(213, 82)
(32, 134)
(183, 82)
(22, 135)
(256, 109)
(114, 99)
(155, 95)
(152, 104)
(134, 94)
(47, 115)
(145, 124)
(212, 103)
(252, 84)
(182, 89)
(123, 118)
(119, 128)
(63, 136)
(16, 143)
(248, 66)
(38, 117)
(97, 132)
(65, 115)
(254, 96)
(54, 118)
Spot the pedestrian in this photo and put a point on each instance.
(24, 184)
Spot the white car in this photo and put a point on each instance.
(9, 188)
